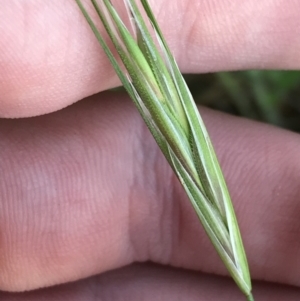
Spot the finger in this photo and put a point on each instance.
(49, 57)
(145, 282)
(86, 190)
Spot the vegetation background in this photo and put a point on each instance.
(268, 96)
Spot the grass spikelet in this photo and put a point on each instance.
(156, 86)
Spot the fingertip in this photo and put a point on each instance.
(49, 58)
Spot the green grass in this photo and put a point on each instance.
(156, 87)
(269, 96)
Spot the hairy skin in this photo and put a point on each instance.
(85, 190)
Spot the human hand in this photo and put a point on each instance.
(85, 190)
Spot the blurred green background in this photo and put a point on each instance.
(268, 96)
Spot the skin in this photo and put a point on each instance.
(88, 201)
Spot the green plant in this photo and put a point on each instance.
(160, 93)
(266, 95)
